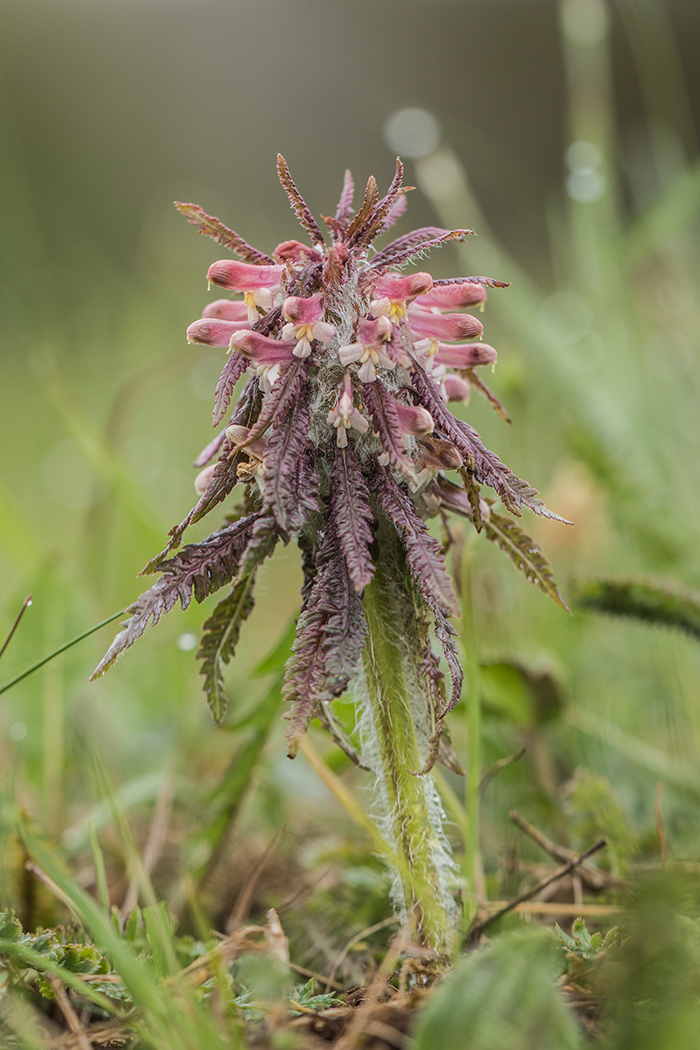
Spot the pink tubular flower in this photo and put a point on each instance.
(435, 325)
(392, 293)
(344, 416)
(369, 350)
(212, 332)
(295, 252)
(226, 310)
(259, 284)
(452, 296)
(304, 323)
(268, 356)
(465, 355)
(455, 388)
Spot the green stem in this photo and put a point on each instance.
(472, 861)
(394, 696)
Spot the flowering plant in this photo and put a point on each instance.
(342, 439)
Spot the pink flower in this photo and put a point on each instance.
(455, 388)
(259, 284)
(451, 296)
(435, 325)
(392, 293)
(267, 355)
(369, 351)
(226, 310)
(304, 317)
(212, 332)
(464, 355)
(295, 252)
(345, 416)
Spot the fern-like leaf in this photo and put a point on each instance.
(382, 408)
(298, 203)
(222, 630)
(525, 554)
(212, 227)
(343, 212)
(422, 550)
(232, 372)
(414, 245)
(197, 570)
(485, 465)
(329, 641)
(353, 516)
(290, 488)
(359, 223)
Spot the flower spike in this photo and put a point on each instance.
(342, 439)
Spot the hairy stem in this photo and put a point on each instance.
(399, 744)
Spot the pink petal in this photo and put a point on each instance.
(301, 310)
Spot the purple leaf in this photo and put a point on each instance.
(344, 209)
(413, 245)
(291, 483)
(445, 634)
(422, 550)
(485, 465)
(232, 372)
(199, 569)
(298, 203)
(353, 516)
(382, 408)
(359, 223)
(212, 227)
(377, 220)
(330, 637)
(286, 390)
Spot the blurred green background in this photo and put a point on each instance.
(566, 136)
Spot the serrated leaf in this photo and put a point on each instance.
(231, 373)
(360, 221)
(423, 552)
(525, 554)
(382, 408)
(412, 247)
(291, 482)
(479, 460)
(298, 203)
(659, 602)
(344, 210)
(329, 641)
(353, 515)
(214, 228)
(220, 635)
(198, 570)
